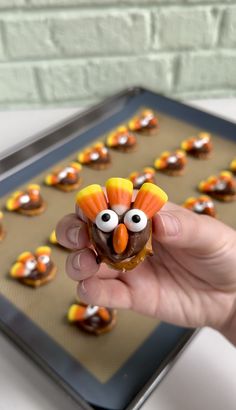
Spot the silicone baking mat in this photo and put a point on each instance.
(107, 371)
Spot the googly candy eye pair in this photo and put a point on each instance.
(135, 220)
(120, 228)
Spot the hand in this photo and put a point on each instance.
(190, 280)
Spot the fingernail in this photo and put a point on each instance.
(73, 235)
(76, 261)
(83, 289)
(170, 224)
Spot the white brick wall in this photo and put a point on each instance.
(65, 52)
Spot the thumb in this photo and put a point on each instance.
(181, 228)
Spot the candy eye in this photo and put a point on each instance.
(30, 264)
(135, 220)
(44, 259)
(107, 220)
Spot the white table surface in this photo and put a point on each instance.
(204, 377)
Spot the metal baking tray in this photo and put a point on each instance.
(129, 385)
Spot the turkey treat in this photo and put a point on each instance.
(2, 232)
(28, 202)
(201, 205)
(96, 156)
(171, 163)
(65, 178)
(146, 122)
(221, 187)
(120, 229)
(34, 269)
(232, 166)
(139, 178)
(198, 147)
(92, 319)
(121, 140)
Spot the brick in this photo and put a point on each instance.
(29, 38)
(63, 81)
(228, 33)
(11, 3)
(108, 76)
(2, 54)
(207, 71)
(17, 84)
(99, 33)
(68, 3)
(185, 28)
(59, 3)
(77, 34)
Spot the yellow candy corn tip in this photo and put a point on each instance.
(149, 169)
(110, 140)
(33, 187)
(99, 144)
(76, 166)
(53, 238)
(201, 185)
(15, 269)
(165, 154)
(147, 111)
(80, 157)
(204, 135)
(157, 163)
(43, 250)
(120, 183)
(122, 128)
(190, 199)
(155, 190)
(1, 215)
(180, 152)
(226, 174)
(132, 122)
(16, 194)
(71, 315)
(204, 198)
(11, 204)
(48, 180)
(184, 145)
(24, 255)
(211, 178)
(87, 191)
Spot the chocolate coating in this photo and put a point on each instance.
(69, 181)
(96, 324)
(31, 205)
(177, 165)
(104, 246)
(222, 188)
(36, 275)
(203, 207)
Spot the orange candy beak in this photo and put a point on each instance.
(41, 267)
(120, 238)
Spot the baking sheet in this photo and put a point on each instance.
(104, 356)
